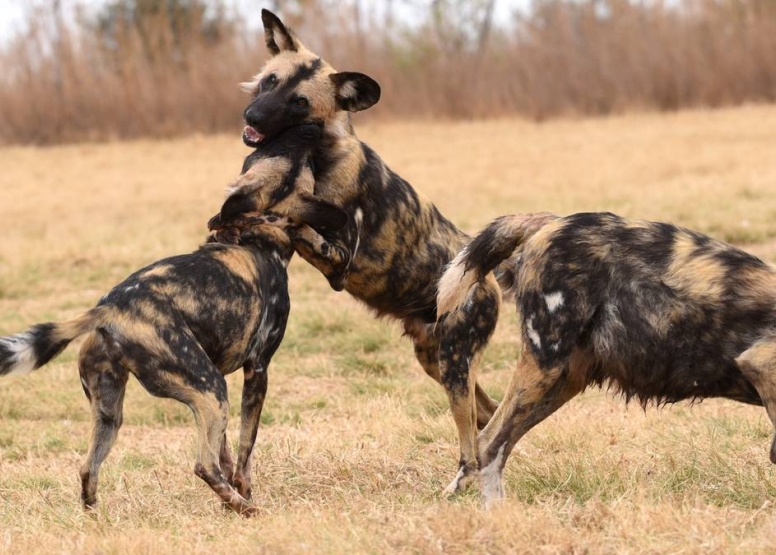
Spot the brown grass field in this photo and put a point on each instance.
(356, 443)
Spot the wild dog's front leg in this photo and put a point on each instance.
(758, 364)
(333, 253)
(464, 330)
(254, 392)
(533, 394)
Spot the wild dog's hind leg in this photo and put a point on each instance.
(193, 380)
(758, 364)
(426, 345)
(533, 395)
(104, 382)
(464, 331)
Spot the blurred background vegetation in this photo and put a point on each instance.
(161, 68)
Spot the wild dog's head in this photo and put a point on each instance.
(296, 86)
(276, 188)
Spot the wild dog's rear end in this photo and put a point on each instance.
(659, 312)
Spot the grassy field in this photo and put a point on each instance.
(357, 443)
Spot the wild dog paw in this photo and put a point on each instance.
(466, 475)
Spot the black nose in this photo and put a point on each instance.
(253, 116)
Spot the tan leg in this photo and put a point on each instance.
(211, 416)
(758, 364)
(202, 388)
(458, 379)
(533, 395)
(463, 335)
(426, 346)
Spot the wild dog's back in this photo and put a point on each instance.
(664, 310)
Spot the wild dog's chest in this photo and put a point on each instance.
(275, 305)
(264, 323)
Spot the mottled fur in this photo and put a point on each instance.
(654, 311)
(183, 323)
(396, 244)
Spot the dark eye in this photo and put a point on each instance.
(302, 101)
(268, 82)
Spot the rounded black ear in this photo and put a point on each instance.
(355, 91)
(277, 37)
(236, 205)
(320, 215)
(214, 222)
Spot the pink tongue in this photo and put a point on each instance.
(252, 134)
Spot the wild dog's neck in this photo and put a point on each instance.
(337, 160)
(268, 239)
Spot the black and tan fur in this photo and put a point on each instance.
(396, 244)
(657, 312)
(183, 323)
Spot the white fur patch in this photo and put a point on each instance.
(339, 127)
(347, 90)
(554, 301)
(455, 485)
(358, 217)
(451, 284)
(491, 484)
(252, 85)
(282, 39)
(22, 353)
(283, 262)
(533, 334)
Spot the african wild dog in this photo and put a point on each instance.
(181, 324)
(396, 244)
(658, 312)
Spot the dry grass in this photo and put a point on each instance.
(356, 442)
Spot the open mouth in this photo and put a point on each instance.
(251, 137)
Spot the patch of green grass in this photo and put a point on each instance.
(579, 478)
(720, 480)
(135, 461)
(172, 415)
(319, 404)
(280, 417)
(501, 354)
(424, 438)
(366, 364)
(38, 483)
(6, 440)
(738, 428)
(371, 387)
(55, 445)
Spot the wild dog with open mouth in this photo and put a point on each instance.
(658, 312)
(396, 244)
(183, 323)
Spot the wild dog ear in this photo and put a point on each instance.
(319, 214)
(355, 91)
(277, 37)
(235, 205)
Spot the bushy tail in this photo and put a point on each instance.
(27, 351)
(492, 246)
